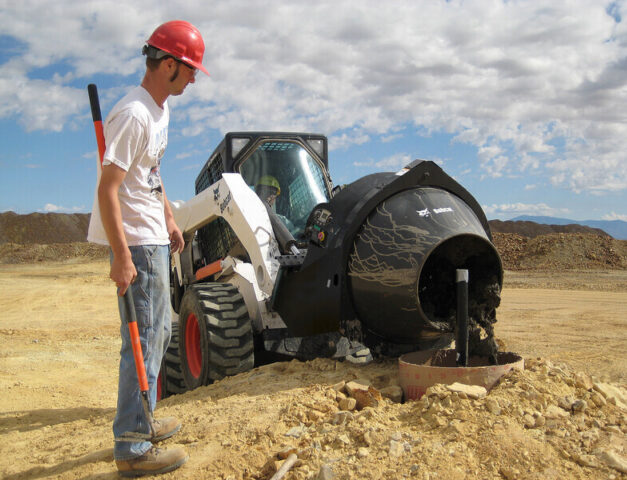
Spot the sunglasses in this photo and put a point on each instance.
(193, 69)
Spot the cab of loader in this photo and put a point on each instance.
(295, 163)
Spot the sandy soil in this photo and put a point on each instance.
(560, 418)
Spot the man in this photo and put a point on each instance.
(268, 189)
(131, 214)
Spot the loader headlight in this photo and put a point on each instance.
(237, 144)
(317, 145)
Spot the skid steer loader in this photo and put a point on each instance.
(277, 261)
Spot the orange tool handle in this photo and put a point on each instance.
(135, 342)
(97, 117)
(128, 296)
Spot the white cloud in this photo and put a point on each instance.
(51, 208)
(337, 142)
(536, 87)
(615, 216)
(514, 209)
(394, 162)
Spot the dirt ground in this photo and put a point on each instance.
(562, 417)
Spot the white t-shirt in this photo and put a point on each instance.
(136, 135)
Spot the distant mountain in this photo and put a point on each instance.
(534, 229)
(615, 228)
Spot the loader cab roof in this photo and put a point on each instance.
(297, 161)
(237, 145)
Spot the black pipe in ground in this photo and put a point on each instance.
(461, 341)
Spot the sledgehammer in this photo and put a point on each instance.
(139, 358)
(129, 303)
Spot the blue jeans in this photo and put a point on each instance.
(151, 294)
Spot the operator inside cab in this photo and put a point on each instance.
(268, 188)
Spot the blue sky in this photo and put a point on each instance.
(523, 102)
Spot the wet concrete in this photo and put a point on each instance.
(484, 300)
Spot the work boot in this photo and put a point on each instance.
(165, 428)
(153, 462)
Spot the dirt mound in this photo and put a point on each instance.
(561, 251)
(545, 422)
(41, 237)
(56, 252)
(532, 229)
(546, 252)
(43, 227)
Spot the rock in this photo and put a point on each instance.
(339, 396)
(529, 421)
(363, 452)
(325, 473)
(343, 438)
(393, 392)
(583, 380)
(314, 415)
(553, 411)
(340, 418)
(613, 460)
(586, 461)
(510, 473)
(435, 420)
(396, 448)
(566, 402)
(348, 404)
(296, 432)
(364, 395)
(540, 421)
(354, 385)
(283, 454)
(557, 432)
(271, 466)
(367, 398)
(492, 406)
(457, 427)
(438, 390)
(613, 394)
(338, 387)
(472, 391)
(580, 406)
(598, 399)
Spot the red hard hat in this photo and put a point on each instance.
(181, 40)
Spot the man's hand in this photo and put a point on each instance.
(123, 272)
(176, 238)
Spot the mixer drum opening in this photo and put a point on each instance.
(436, 284)
(401, 269)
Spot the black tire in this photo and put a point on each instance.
(176, 291)
(161, 389)
(170, 379)
(216, 334)
(174, 381)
